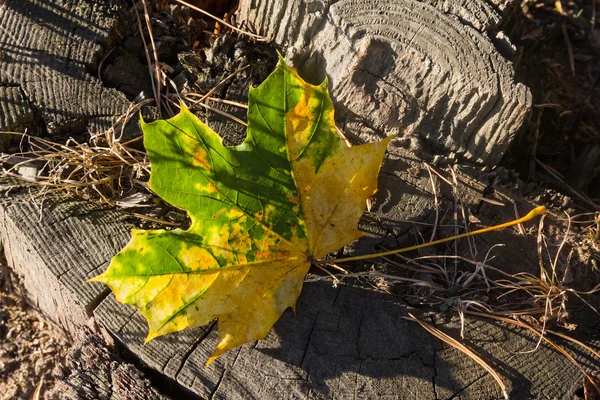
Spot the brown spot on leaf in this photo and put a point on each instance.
(200, 159)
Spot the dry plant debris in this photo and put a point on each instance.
(106, 171)
(559, 57)
(30, 346)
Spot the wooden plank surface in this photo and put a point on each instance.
(342, 342)
(15, 114)
(56, 246)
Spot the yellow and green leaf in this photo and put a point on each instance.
(260, 212)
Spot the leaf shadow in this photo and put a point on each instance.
(351, 342)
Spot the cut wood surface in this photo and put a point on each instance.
(15, 114)
(345, 341)
(50, 50)
(427, 69)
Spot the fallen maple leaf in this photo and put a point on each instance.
(260, 213)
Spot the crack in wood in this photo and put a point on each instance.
(227, 369)
(435, 368)
(127, 321)
(312, 329)
(95, 302)
(467, 386)
(190, 350)
(214, 391)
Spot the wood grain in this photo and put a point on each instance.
(342, 342)
(431, 70)
(50, 49)
(15, 115)
(56, 246)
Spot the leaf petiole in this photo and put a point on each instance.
(532, 214)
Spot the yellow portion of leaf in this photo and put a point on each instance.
(335, 187)
(246, 297)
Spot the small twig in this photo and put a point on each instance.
(520, 226)
(340, 133)
(490, 201)
(156, 65)
(441, 176)
(148, 60)
(562, 244)
(540, 248)
(569, 47)
(332, 276)
(223, 113)
(435, 200)
(334, 266)
(229, 102)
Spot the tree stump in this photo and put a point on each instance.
(416, 75)
(428, 69)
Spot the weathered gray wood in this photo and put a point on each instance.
(342, 342)
(317, 353)
(15, 114)
(427, 69)
(56, 247)
(94, 370)
(508, 351)
(50, 49)
(165, 354)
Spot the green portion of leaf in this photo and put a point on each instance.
(190, 166)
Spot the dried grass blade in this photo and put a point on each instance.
(156, 66)
(148, 60)
(461, 347)
(550, 342)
